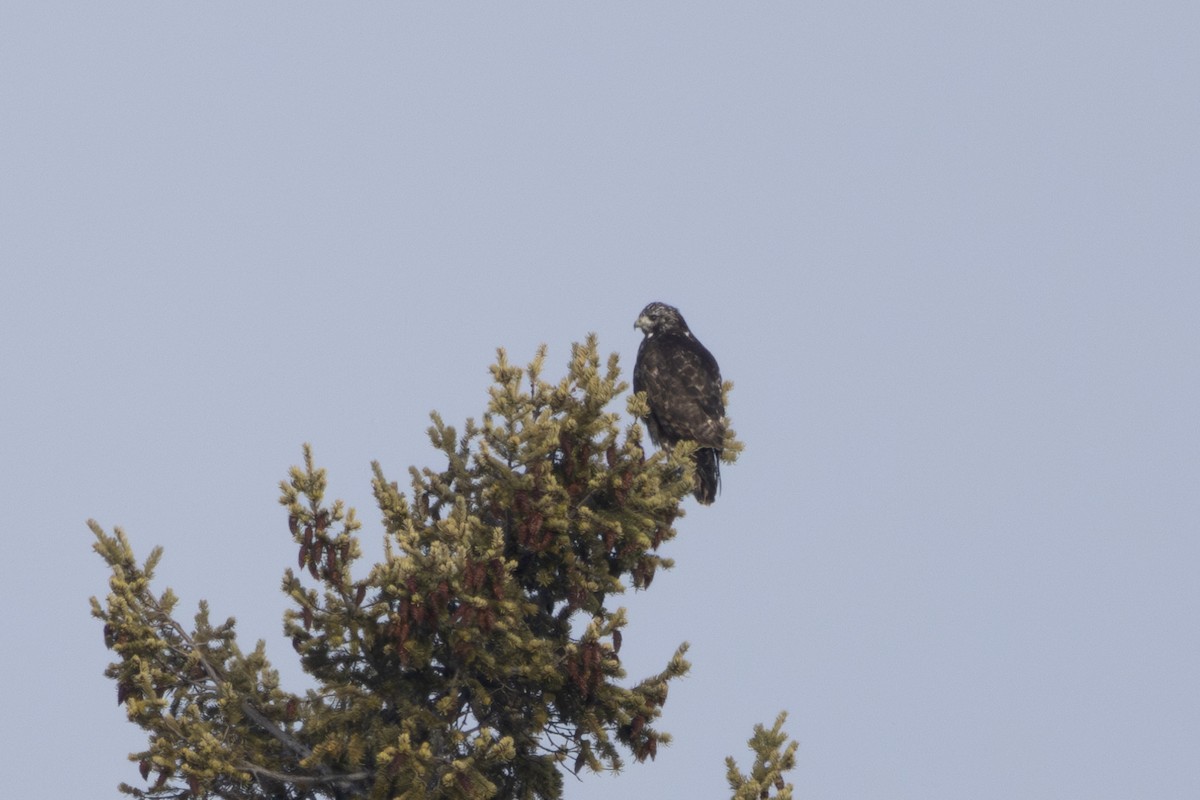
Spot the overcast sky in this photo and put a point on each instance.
(949, 254)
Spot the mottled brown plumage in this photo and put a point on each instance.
(682, 383)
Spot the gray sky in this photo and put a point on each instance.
(948, 253)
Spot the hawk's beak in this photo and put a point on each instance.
(643, 323)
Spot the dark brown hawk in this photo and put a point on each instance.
(682, 383)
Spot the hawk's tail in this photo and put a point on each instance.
(708, 475)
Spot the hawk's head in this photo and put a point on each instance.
(660, 318)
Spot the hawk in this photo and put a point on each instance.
(682, 383)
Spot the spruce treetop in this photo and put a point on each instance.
(479, 658)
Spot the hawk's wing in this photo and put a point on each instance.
(683, 389)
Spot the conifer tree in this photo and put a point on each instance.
(479, 659)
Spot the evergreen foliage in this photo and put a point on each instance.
(771, 759)
(478, 659)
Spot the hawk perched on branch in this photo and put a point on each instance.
(682, 383)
